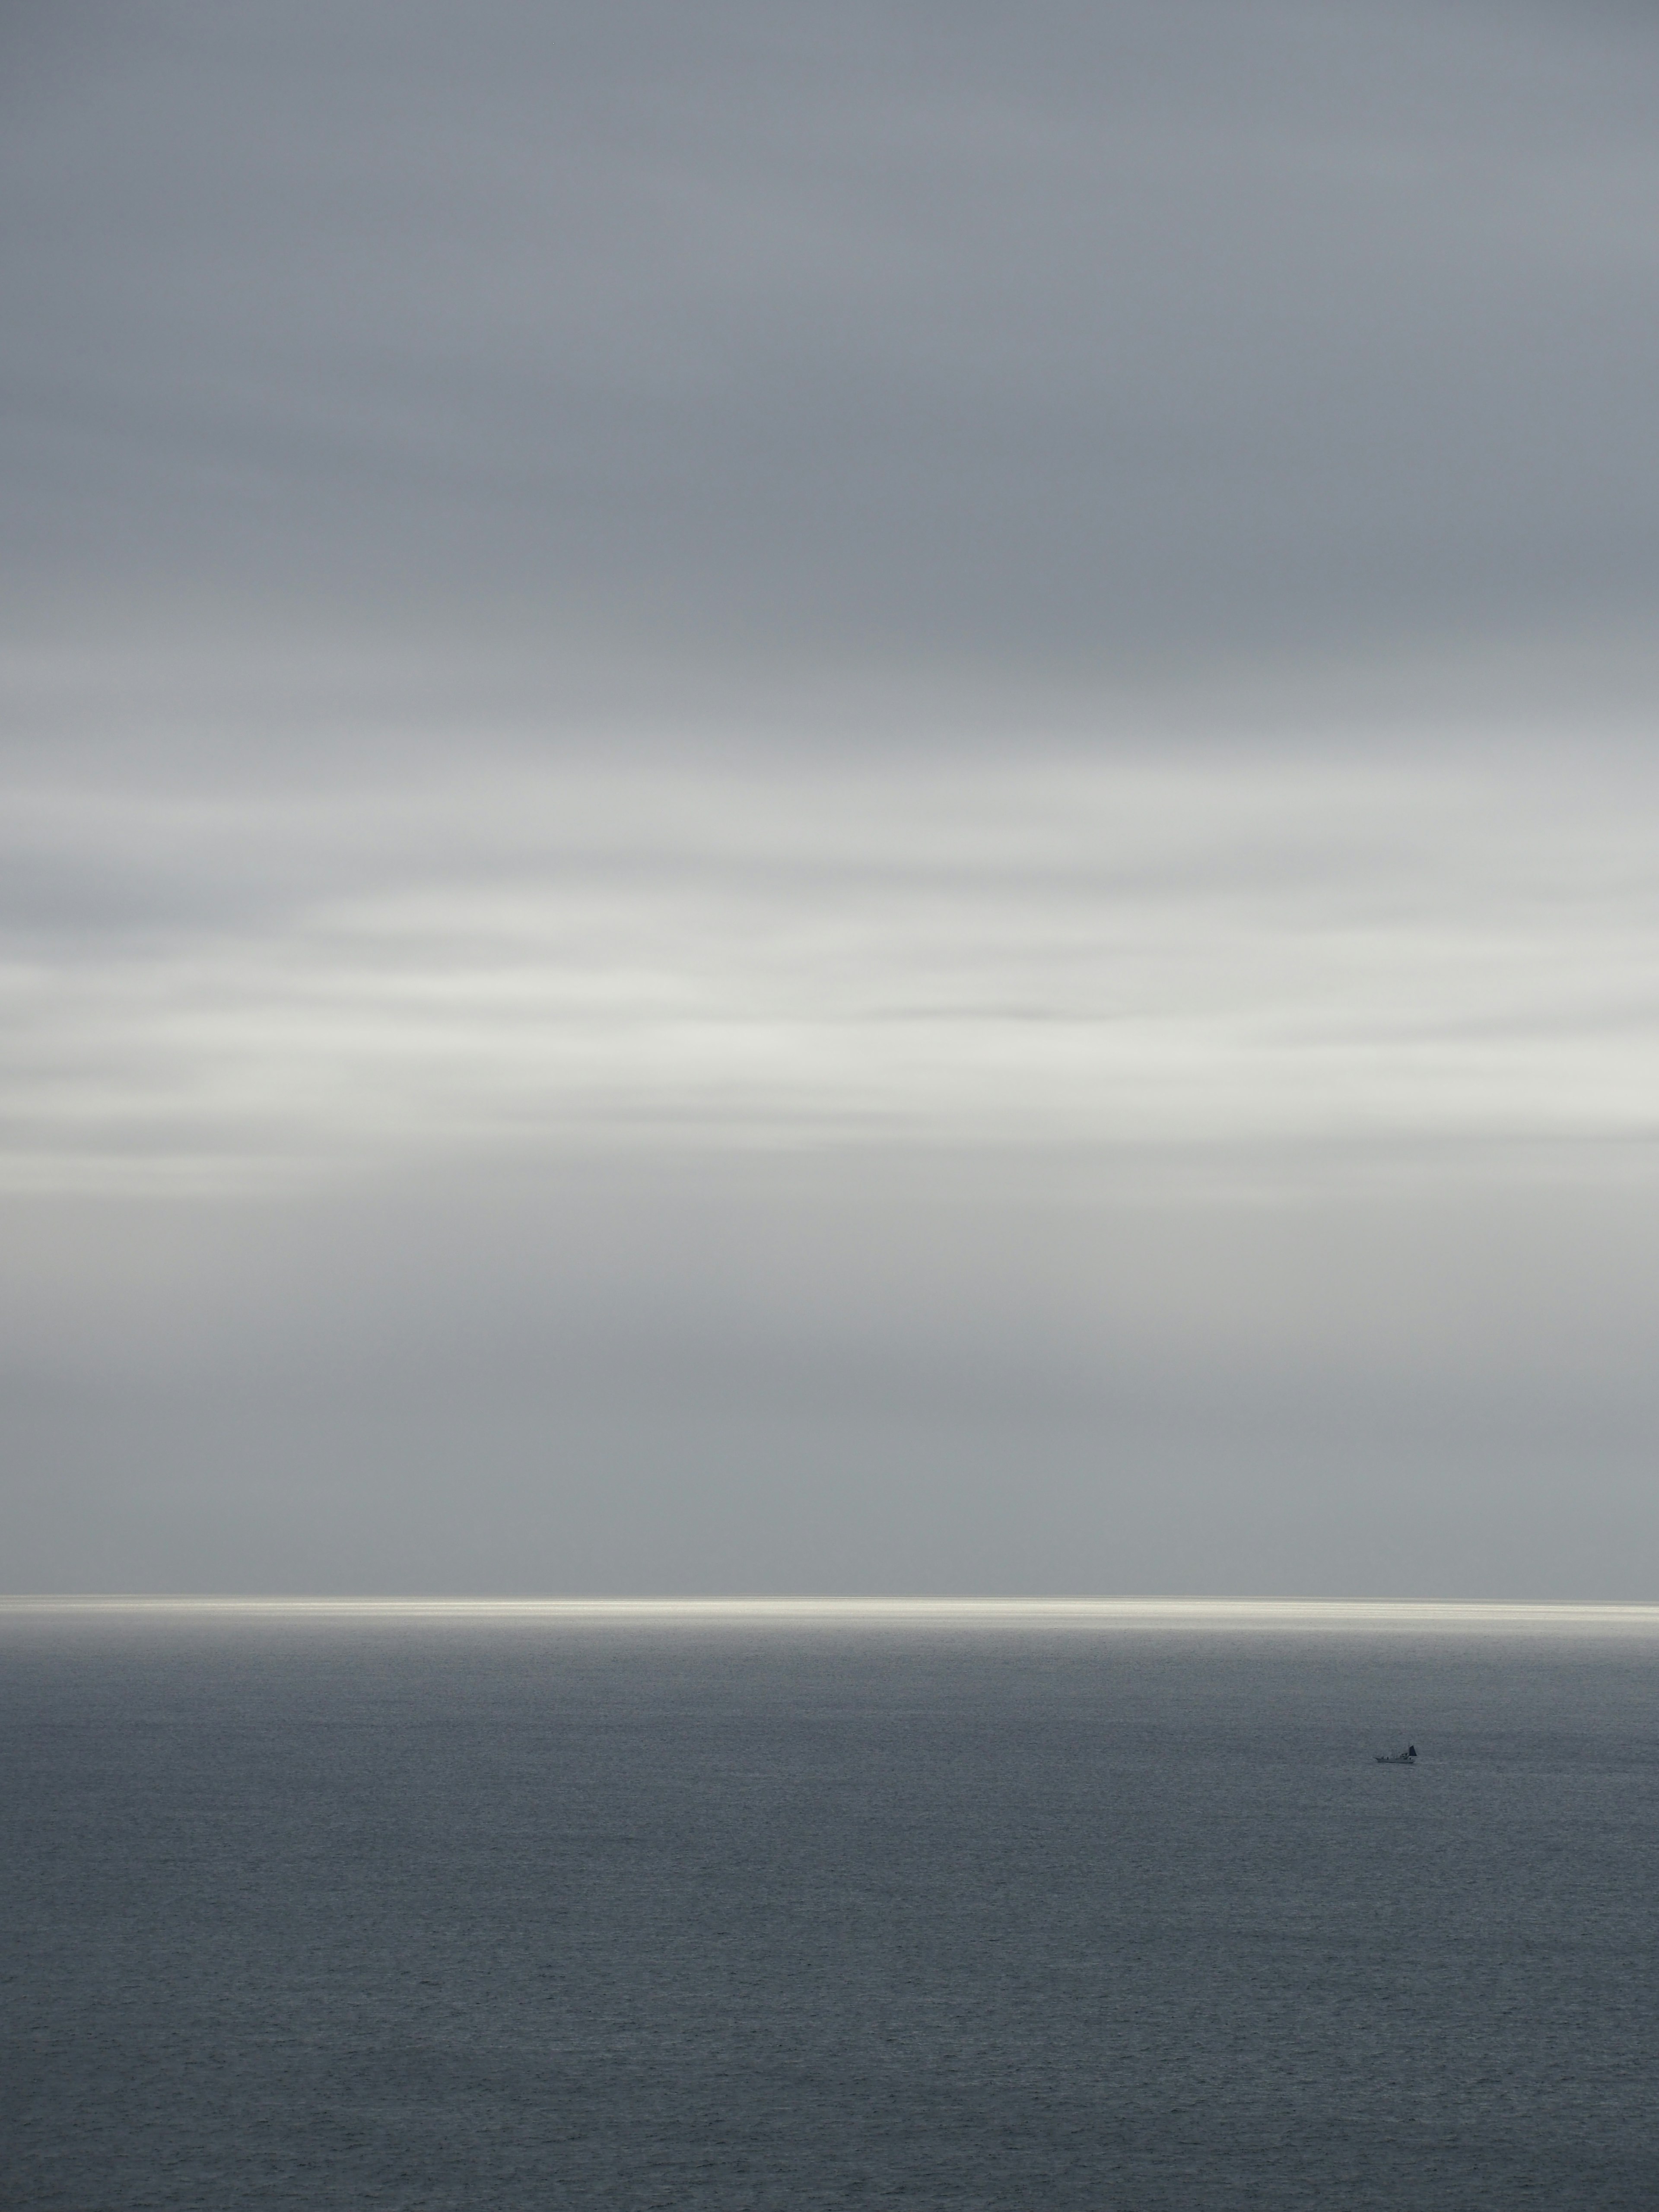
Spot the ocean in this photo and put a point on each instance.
(1102, 1908)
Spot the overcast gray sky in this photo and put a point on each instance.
(830, 799)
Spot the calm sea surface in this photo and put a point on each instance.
(497, 1915)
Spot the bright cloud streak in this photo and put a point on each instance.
(1057, 951)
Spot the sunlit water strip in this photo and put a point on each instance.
(1104, 1614)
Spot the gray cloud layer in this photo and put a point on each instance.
(1087, 343)
(829, 798)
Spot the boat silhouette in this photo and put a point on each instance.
(1407, 1758)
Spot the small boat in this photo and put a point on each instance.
(1407, 1758)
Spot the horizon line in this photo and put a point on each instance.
(1242, 1613)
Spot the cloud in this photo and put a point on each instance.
(1085, 350)
(804, 1375)
(828, 799)
(1053, 951)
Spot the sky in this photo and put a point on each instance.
(806, 799)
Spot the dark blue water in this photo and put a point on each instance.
(497, 1917)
